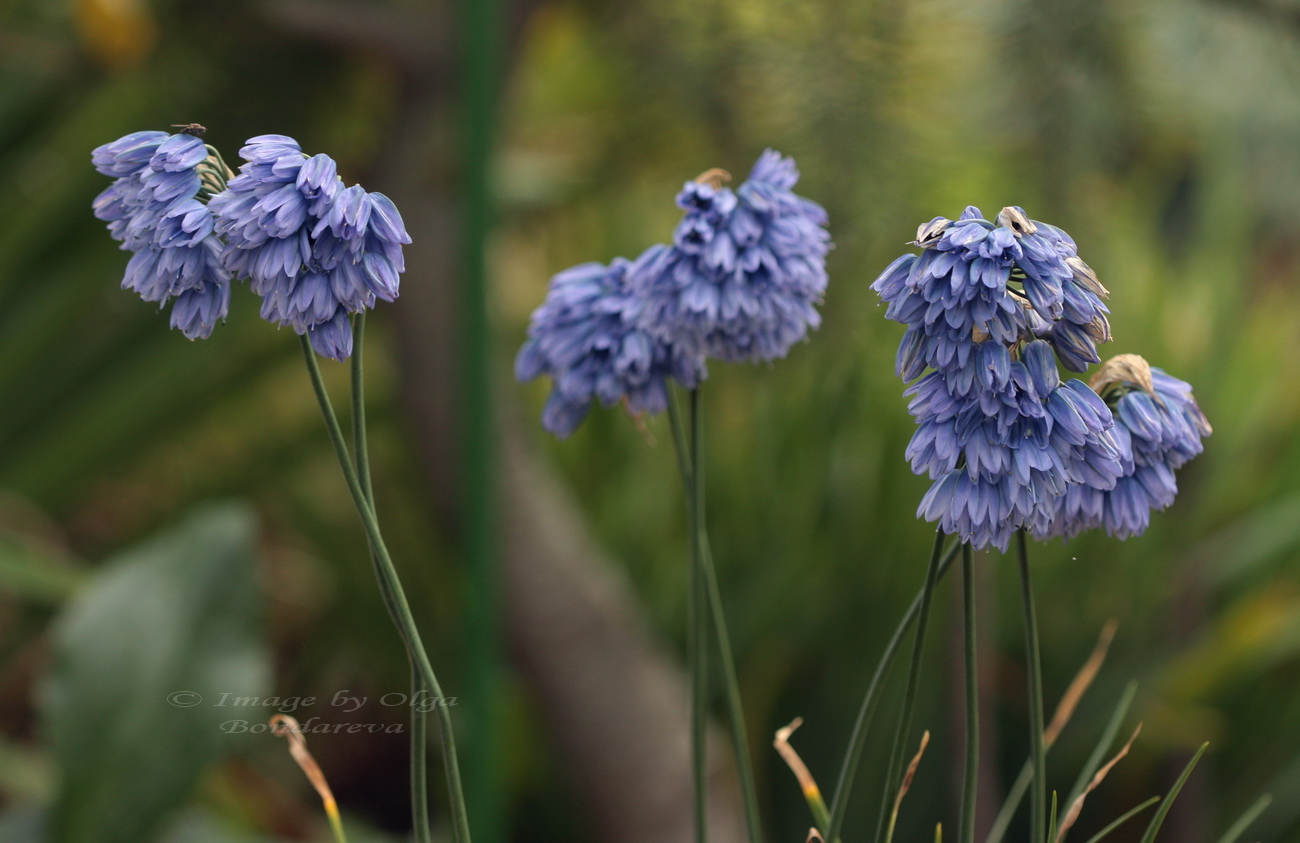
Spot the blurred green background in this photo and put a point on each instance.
(171, 518)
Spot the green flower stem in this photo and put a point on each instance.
(360, 449)
(710, 597)
(697, 631)
(419, 719)
(748, 790)
(1037, 753)
(395, 597)
(699, 635)
(420, 761)
(893, 771)
(966, 827)
(849, 768)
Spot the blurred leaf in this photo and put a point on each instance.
(1252, 813)
(23, 825)
(36, 572)
(25, 775)
(179, 615)
(119, 33)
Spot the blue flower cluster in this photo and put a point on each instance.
(999, 433)
(152, 208)
(746, 270)
(315, 251)
(990, 309)
(585, 337)
(740, 281)
(1160, 427)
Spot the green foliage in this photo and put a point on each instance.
(141, 657)
(1161, 134)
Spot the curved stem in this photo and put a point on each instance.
(1038, 801)
(966, 828)
(395, 598)
(419, 717)
(858, 738)
(892, 772)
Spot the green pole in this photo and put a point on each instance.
(480, 60)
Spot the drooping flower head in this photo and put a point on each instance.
(585, 336)
(1160, 428)
(746, 269)
(999, 433)
(313, 249)
(154, 209)
(1002, 456)
(1012, 280)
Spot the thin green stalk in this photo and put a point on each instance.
(1102, 750)
(690, 464)
(700, 606)
(1123, 818)
(1017, 791)
(397, 604)
(748, 790)
(419, 776)
(1163, 811)
(419, 761)
(1038, 802)
(360, 450)
(857, 740)
(966, 827)
(909, 695)
(1252, 813)
(697, 611)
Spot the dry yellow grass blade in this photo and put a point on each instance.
(287, 727)
(907, 784)
(793, 761)
(1082, 680)
(1092, 785)
(811, 793)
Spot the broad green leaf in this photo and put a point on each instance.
(139, 657)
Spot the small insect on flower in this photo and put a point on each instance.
(194, 129)
(154, 208)
(314, 250)
(746, 270)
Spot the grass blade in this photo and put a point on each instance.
(1159, 818)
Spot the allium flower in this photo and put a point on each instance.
(746, 269)
(1159, 427)
(586, 338)
(1006, 450)
(1012, 280)
(152, 209)
(989, 308)
(314, 250)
